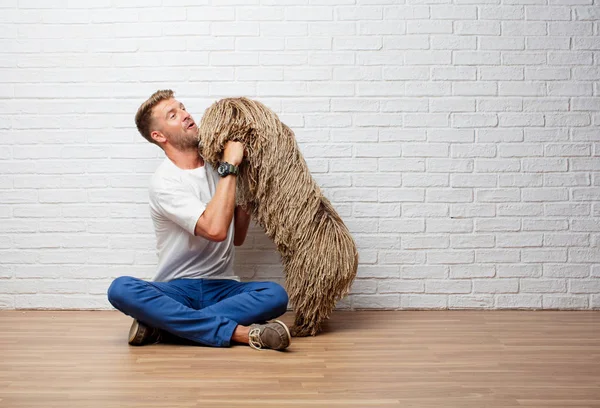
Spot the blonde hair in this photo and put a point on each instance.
(143, 117)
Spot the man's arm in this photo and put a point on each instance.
(216, 218)
(242, 221)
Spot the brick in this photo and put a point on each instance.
(482, 180)
(364, 286)
(544, 225)
(499, 105)
(544, 165)
(422, 272)
(547, 13)
(448, 286)
(498, 195)
(529, 88)
(477, 28)
(475, 120)
(327, 29)
(495, 166)
(400, 286)
(472, 210)
(489, 225)
(561, 240)
(424, 210)
(519, 271)
(470, 302)
(545, 43)
(424, 301)
(566, 270)
(519, 301)
(546, 135)
(425, 150)
(428, 26)
(568, 302)
(545, 194)
(401, 226)
(570, 89)
(404, 73)
(496, 256)
(403, 165)
(523, 28)
(359, 13)
(472, 241)
(428, 57)
(449, 195)
(402, 258)
(405, 194)
(52, 301)
(453, 42)
(425, 242)
(495, 286)
(472, 271)
(560, 209)
(383, 28)
(586, 13)
(452, 104)
(424, 180)
(474, 89)
(427, 89)
(378, 271)
(453, 257)
(584, 286)
(449, 165)
(584, 255)
(544, 255)
(545, 104)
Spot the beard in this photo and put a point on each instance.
(185, 141)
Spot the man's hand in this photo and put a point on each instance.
(234, 153)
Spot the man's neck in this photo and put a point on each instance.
(185, 159)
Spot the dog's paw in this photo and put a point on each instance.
(303, 331)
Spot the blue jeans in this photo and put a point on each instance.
(205, 311)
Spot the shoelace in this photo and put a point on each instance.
(254, 339)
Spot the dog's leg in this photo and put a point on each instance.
(320, 274)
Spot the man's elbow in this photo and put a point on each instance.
(218, 236)
(212, 235)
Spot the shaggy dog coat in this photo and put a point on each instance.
(318, 253)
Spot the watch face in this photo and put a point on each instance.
(222, 169)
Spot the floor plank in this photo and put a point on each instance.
(363, 359)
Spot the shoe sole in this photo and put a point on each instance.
(134, 333)
(287, 331)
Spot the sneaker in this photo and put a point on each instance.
(140, 334)
(274, 336)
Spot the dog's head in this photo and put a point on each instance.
(238, 119)
(246, 121)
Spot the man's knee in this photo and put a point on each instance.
(279, 297)
(118, 291)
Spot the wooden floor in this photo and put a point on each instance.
(364, 359)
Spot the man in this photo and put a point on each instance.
(195, 294)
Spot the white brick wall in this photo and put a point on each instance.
(459, 139)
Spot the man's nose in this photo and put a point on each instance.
(186, 115)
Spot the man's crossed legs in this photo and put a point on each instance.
(212, 312)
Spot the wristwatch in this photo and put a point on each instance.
(226, 169)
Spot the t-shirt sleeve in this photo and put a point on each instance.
(179, 205)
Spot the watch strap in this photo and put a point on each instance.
(230, 169)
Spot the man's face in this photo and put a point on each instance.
(175, 124)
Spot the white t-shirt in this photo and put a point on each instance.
(177, 199)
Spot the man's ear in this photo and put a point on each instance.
(158, 136)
